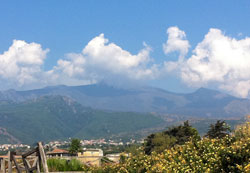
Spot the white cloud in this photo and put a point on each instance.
(100, 60)
(99, 51)
(20, 65)
(176, 42)
(220, 61)
(113, 59)
(104, 61)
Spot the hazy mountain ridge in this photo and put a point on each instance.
(201, 103)
(96, 111)
(58, 117)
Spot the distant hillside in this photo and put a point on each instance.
(59, 117)
(201, 103)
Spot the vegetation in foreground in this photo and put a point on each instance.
(65, 165)
(219, 151)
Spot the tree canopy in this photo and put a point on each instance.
(158, 142)
(218, 130)
(75, 146)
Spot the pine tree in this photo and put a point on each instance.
(218, 130)
(158, 142)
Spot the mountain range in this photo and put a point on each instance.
(201, 103)
(58, 117)
(102, 111)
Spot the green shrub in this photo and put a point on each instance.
(227, 154)
(64, 165)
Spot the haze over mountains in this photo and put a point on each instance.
(96, 111)
(201, 103)
(57, 117)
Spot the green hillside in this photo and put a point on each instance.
(57, 117)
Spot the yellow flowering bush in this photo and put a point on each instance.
(243, 131)
(228, 154)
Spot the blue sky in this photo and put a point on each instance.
(64, 26)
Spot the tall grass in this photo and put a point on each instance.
(64, 165)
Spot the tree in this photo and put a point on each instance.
(75, 146)
(218, 130)
(183, 133)
(158, 142)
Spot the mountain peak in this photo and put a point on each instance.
(203, 90)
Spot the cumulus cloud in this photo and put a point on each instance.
(101, 60)
(221, 61)
(176, 42)
(21, 64)
(218, 60)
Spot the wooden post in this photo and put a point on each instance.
(12, 154)
(3, 170)
(1, 165)
(25, 165)
(38, 163)
(38, 166)
(9, 163)
(43, 157)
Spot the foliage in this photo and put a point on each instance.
(177, 135)
(65, 165)
(132, 148)
(75, 146)
(183, 133)
(243, 130)
(203, 124)
(228, 154)
(206, 155)
(158, 142)
(105, 160)
(218, 130)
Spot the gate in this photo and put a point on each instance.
(34, 160)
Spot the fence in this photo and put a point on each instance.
(34, 160)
